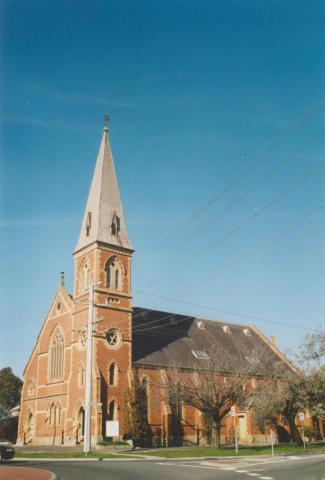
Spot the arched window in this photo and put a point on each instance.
(144, 397)
(176, 407)
(112, 374)
(29, 428)
(81, 422)
(81, 375)
(56, 355)
(55, 414)
(85, 276)
(112, 410)
(113, 274)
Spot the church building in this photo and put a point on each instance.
(127, 341)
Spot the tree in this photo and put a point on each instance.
(312, 359)
(136, 412)
(267, 405)
(313, 350)
(10, 388)
(292, 389)
(213, 389)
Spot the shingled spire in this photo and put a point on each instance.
(103, 219)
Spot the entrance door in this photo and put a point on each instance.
(242, 429)
(81, 424)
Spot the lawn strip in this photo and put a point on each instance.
(26, 454)
(227, 452)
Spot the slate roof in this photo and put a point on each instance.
(103, 202)
(166, 339)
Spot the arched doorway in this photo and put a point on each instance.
(29, 430)
(81, 424)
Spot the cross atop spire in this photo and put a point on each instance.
(106, 121)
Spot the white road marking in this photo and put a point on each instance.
(266, 478)
(266, 463)
(185, 465)
(241, 471)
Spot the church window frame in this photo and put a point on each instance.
(116, 224)
(112, 410)
(88, 224)
(113, 337)
(113, 271)
(29, 430)
(113, 371)
(56, 355)
(54, 417)
(144, 396)
(85, 275)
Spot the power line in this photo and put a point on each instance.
(277, 143)
(227, 312)
(257, 184)
(305, 216)
(247, 220)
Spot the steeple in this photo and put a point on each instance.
(103, 219)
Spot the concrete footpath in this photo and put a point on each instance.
(25, 473)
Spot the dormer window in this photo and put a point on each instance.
(200, 324)
(201, 354)
(88, 224)
(226, 329)
(247, 332)
(116, 224)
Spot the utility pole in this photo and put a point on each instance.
(233, 413)
(89, 370)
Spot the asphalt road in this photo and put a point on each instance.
(279, 468)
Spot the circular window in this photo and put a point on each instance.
(112, 337)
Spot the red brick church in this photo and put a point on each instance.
(126, 340)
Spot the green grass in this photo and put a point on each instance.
(26, 454)
(227, 452)
(180, 452)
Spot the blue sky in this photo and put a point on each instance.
(197, 92)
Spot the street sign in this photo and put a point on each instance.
(112, 428)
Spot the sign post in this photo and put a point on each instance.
(233, 413)
(272, 442)
(112, 428)
(301, 416)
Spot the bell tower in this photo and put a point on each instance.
(103, 259)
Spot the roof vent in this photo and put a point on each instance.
(200, 354)
(226, 329)
(247, 332)
(200, 324)
(173, 320)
